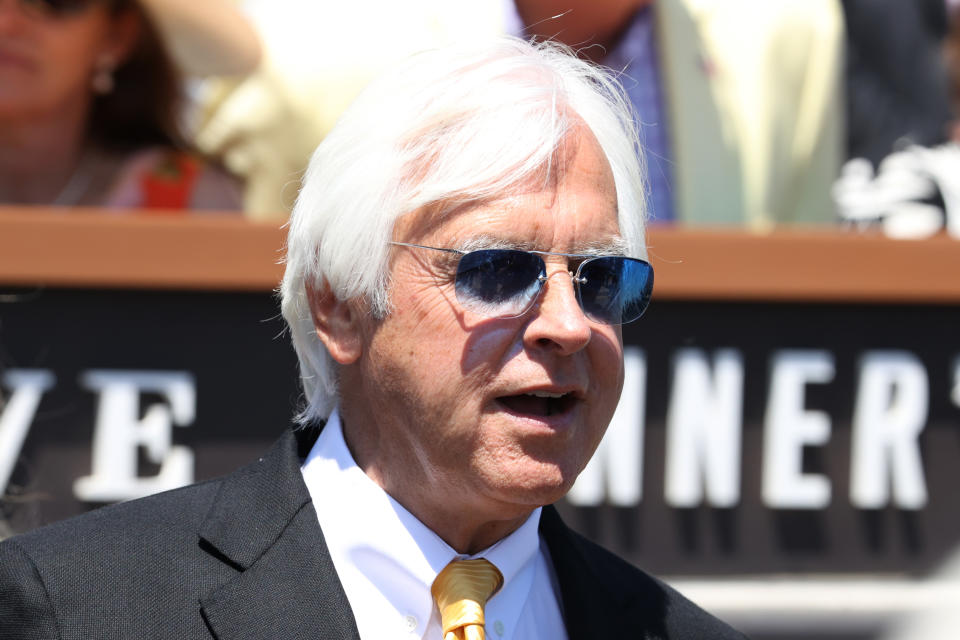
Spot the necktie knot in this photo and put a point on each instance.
(461, 590)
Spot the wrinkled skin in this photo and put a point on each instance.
(435, 399)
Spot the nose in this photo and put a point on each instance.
(556, 321)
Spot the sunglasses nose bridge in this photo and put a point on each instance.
(575, 281)
(574, 275)
(570, 274)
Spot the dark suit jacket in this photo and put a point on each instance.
(244, 557)
(897, 82)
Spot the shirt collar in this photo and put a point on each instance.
(380, 528)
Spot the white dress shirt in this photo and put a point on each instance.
(386, 559)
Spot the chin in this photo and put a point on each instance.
(538, 486)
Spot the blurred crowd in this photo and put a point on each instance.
(93, 109)
(753, 113)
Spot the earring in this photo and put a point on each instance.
(102, 81)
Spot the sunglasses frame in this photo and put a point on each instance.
(46, 9)
(575, 276)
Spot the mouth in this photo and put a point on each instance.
(539, 404)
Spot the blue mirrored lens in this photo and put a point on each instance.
(498, 283)
(616, 289)
(503, 283)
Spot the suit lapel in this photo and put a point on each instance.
(602, 597)
(263, 524)
(589, 605)
(283, 584)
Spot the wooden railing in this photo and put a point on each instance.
(90, 248)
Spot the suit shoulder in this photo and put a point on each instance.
(136, 521)
(681, 618)
(96, 568)
(25, 608)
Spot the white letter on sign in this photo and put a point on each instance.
(890, 413)
(789, 427)
(17, 414)
(704, 424)
(955, 393)
(119, 433)
(619, 458)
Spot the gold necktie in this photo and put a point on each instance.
(460, 591)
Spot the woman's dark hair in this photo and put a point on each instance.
(144, 108)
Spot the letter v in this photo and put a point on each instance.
(16, 414)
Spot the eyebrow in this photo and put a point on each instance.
(614, 246)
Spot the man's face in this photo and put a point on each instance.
(445, 407)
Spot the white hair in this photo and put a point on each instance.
(461, 124)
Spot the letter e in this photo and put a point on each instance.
(119, 433)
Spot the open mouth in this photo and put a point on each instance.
(539, 403)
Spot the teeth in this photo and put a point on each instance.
(546, 394)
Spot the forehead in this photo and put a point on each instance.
(569, 207)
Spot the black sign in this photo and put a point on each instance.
(751, 438)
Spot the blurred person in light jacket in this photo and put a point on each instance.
(740, 101)
(749, 129)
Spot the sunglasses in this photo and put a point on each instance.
(504, 283)
(54, 8)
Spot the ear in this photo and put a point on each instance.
(336, 323)
(122, 36)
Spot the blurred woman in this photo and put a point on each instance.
(91, 100)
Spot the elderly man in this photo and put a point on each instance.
(463, 252)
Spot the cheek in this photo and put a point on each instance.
(606, 360)
(490, 344)
(69, 59)
(423, 332)
(456, 341)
